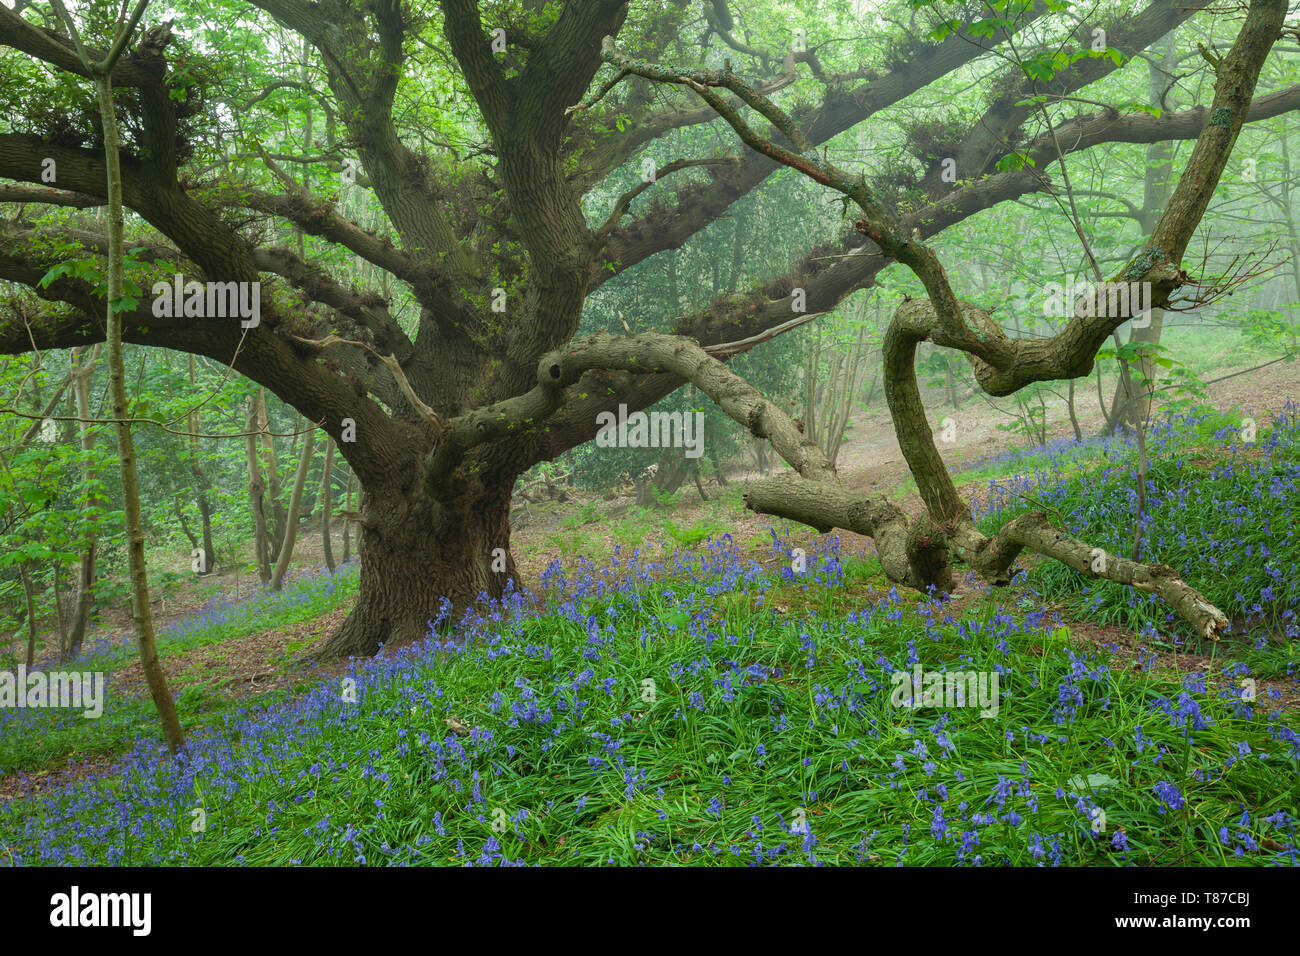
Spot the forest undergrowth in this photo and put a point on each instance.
(714, 706)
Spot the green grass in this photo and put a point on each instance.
(117, 730)
(753, 715)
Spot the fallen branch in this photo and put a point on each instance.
(1033, 531)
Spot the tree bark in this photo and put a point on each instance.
(201, 485)
(141, 614)
(347, 520)
(278, 514)
(415, 553)
(186, 530)
(58, 610)
(29, 602)
(1074, 416)
(1133, 410)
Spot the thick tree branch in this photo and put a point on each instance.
(51, 197)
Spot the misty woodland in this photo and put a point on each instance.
(666, 432)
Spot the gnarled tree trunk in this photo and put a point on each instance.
(416, 552)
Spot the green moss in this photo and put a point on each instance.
(1221, 117)
(1143, 263)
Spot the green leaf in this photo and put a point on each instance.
(943, 29)
(1014, 161)
(62, 269)
(989, 27)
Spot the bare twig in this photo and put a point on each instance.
(427, 413)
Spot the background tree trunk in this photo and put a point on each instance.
(278, 514)
(347, 520)
(201, 484)
(29, 603)
(58, 610)
(1132, 410)
(295, 507)
(257, 496)
(325, 495)
(85, 595)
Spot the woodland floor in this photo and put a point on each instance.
(870, 461)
